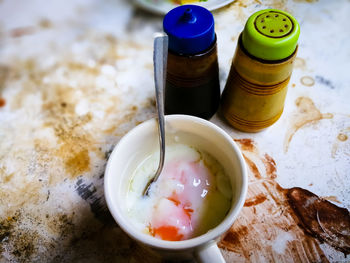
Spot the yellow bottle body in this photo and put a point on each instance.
(254, 95)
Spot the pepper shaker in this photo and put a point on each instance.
(192, 83)
(254, 95)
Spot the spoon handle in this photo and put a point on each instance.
(160, 57)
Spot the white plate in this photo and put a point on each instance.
(164, 6)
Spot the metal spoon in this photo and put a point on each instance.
(160, 57)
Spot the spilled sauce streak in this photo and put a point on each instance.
(252, 167)
(246, 144)
(306, 113)
(255, 200)
(232, 240)
(270, 166)
(283, 225)
(322, 219)
(331, 198)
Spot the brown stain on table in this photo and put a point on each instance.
(59, 101)
(270, 166)
(4, 71)
(45, 23)
(76, 162)
(246, 144)
(22, 31)
(305, 1)
(2, 102)
(306, 113)
(252, 167)
(331, 198)
(258, 199)
(341, 138)
(233, 238)
(6, 226)
(280, 225)
(299, 63)
(321, 219)
(24, 238)
(307, 81)
(23, 242)
(74, 141)
(75, 231)
(61, 224)
(28, 191)
(75, 145)
(59, 148)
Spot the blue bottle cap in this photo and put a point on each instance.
(190, 29)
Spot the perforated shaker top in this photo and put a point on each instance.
(271, 34)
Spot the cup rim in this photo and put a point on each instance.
(212, 234)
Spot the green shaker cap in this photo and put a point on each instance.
(271, 34)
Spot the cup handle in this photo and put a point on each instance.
(209, 253)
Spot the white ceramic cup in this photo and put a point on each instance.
(143, 140)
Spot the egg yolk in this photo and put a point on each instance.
(182, 186)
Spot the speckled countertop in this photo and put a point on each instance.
(75, 76)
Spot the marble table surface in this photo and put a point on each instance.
(75, 76)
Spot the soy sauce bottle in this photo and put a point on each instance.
(192, 82)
